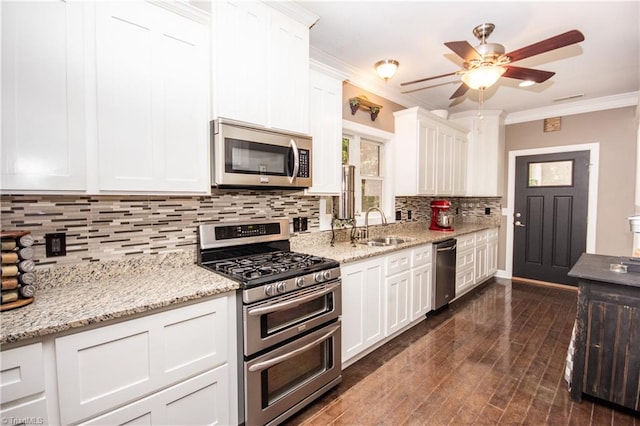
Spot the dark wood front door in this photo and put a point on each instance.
(550, 223)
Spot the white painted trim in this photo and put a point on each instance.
(580, 107)
(389, 167)
(592, 206)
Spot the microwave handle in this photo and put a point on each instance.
(296, 160)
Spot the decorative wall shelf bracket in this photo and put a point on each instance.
(362, 102)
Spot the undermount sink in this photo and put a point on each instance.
(385, 241)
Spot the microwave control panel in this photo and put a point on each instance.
(304, 157)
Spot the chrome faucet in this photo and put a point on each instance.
(366, 220)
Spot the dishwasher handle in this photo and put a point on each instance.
(450, 248)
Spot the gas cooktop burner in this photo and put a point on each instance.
(258, 269)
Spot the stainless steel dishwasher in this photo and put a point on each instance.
(444, 262)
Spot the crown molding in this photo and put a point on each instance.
(294, 11)
(580, 107)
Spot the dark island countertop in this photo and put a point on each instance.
(596, 267)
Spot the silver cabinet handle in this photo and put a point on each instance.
(296, 160)
(277, 360)
(291, 303)
(518, 223)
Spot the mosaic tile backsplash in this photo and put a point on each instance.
(106, 228)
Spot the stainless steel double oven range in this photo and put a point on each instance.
(289, 309)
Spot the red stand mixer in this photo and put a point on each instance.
(441, 219)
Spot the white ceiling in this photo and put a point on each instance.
(352, 35)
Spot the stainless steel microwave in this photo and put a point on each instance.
(250, 156)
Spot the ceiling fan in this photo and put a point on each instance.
(487, 62)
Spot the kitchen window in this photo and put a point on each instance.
(369, 150)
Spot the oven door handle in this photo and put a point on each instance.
(277, 360)
(291, 303)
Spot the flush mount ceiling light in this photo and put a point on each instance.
(386, 68)
(483, 76)
(527, 83)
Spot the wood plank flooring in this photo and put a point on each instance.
(496, 356)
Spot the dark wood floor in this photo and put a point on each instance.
(495, 357)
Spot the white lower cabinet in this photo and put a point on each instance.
(22, 385)
(200, 400)
(383, 296)
(476, 259)
(362, 306)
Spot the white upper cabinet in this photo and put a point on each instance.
(261, 65)
(431, 154)
(105, 97)
(325, 126)
(152, 99)
(43, 133)
(240, 60)
(485, 173)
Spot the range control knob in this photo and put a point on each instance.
(282, 287)
(270, 290)
(300, 281)
(326, 275)
(318, 277)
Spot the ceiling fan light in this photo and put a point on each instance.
(482, 77)
(527, 83)
(386, 68)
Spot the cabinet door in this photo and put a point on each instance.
(362, 306)
(397, 300)
(325, 126)
(288, 71)
(241, 60)
(21, 372)
(464, 280)
(202, 400)
(444, 166)
(152, 81)
(427, 158)
(459, 164)
(481, 262)
(113, 365)
(492, 257)
(421, 289)
(43, 122)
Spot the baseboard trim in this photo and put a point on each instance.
(545, 284)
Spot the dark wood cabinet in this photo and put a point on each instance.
(606, 361)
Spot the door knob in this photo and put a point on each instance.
(518, 223)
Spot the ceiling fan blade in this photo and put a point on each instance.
(519, 73)
(461, 91)
(426, 79)
(556, 42)
(464, 50)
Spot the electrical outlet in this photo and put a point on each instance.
(304, 224)
(409, 214)
(296, 224)
(398, 214)
(56, 244)
(487, 210)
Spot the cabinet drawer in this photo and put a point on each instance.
(398, 262)
(465, 258)
(481, 237)
(465, 241)
(492, 234)
(22, 372)
(421, 256)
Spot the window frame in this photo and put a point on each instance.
(357, 132)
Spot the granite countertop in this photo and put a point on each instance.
(596, 267)
(71, 297)
(345, 252)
